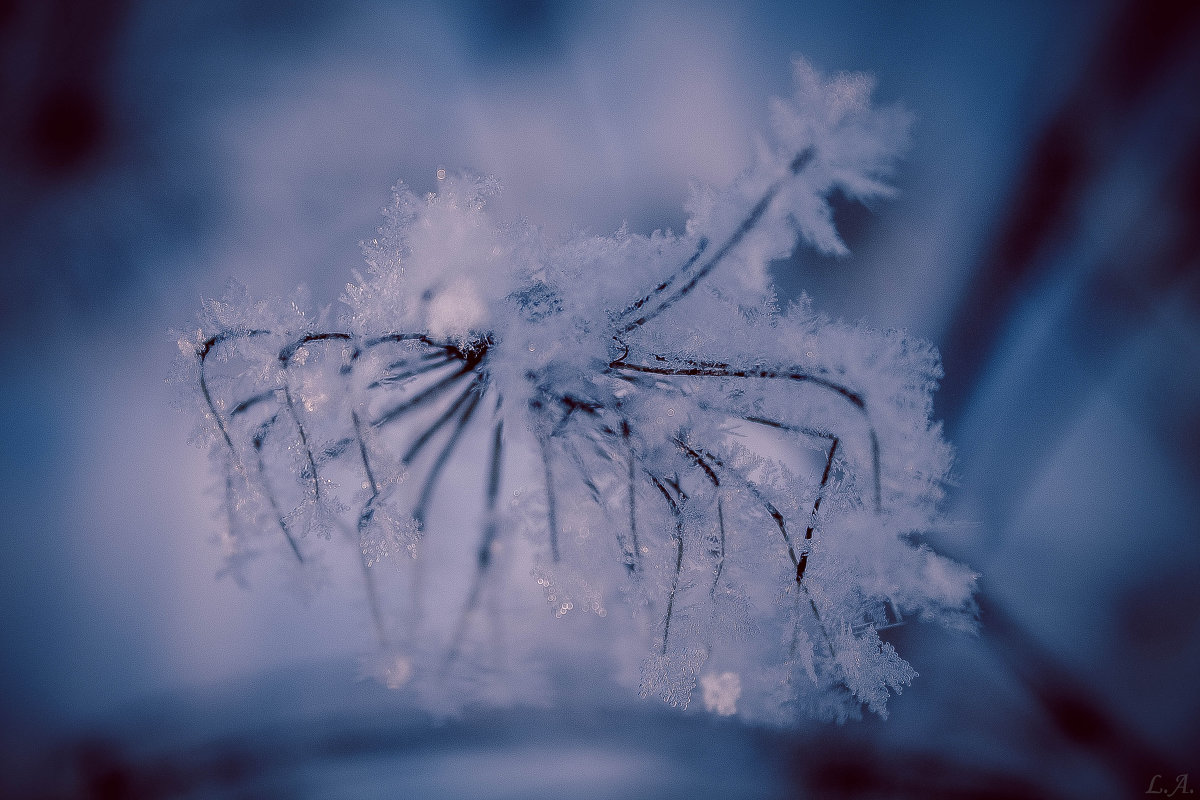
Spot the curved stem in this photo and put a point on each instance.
(799, 562)
(443, 457)
(701, 246)
(676, 512)
(419, 443)
(285, 358)
(718, 551)
(821, 490)
(437, 361)
(368, 510)
(259, 437)
(633, 564)
(709, 460)
(798, 163)
(484, 557)
(422, 397)
(202, 353)
(551, 504)
(721, 370)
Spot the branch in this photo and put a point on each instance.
(798, 163)
(676, 512)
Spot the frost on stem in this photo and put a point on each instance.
(636, 425)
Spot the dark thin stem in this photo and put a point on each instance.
(719, 370)
(820, 622)
(362, 450)
(249, 403)
(691, 362)
(490, 529)
(438, 362)
(623, 544)
(676, 512)
(407, 337)
(312, 464)
(799, 562)
(202, 354)
(443, 457)
(571, 405)
(875, 469)
(720, 554)
(493, 490)
(717, 553)
(419, 443)
(701, 246)
(795, 644)
(585, 475)
(286, 354)
(633, 564)
(783, 426)
(709, 460)
(820, 493)
(285, 358)
(259, 437)
(551, 504)
(875, 476)
(368, 510)
(422, 397)
(372, 591)
(735, 238)
(439, 354)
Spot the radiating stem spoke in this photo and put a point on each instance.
(259, 438)
(677, 537)
(486, 544)
(634, 562)
(800, 561)
(400, 377)
(747, 225)
(443, 457)
(551, 502)
(419, 443)
(421, 398)
(715, 369)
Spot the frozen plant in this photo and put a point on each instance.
(638, 426)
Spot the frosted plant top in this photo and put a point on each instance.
(744, 481)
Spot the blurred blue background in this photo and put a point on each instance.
(1046, 238)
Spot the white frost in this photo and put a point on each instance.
(721, 692)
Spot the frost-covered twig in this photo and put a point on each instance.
(682, 390)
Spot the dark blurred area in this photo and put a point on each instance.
(60, 64)
(1047, 239)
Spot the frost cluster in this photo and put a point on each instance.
(622, 439)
